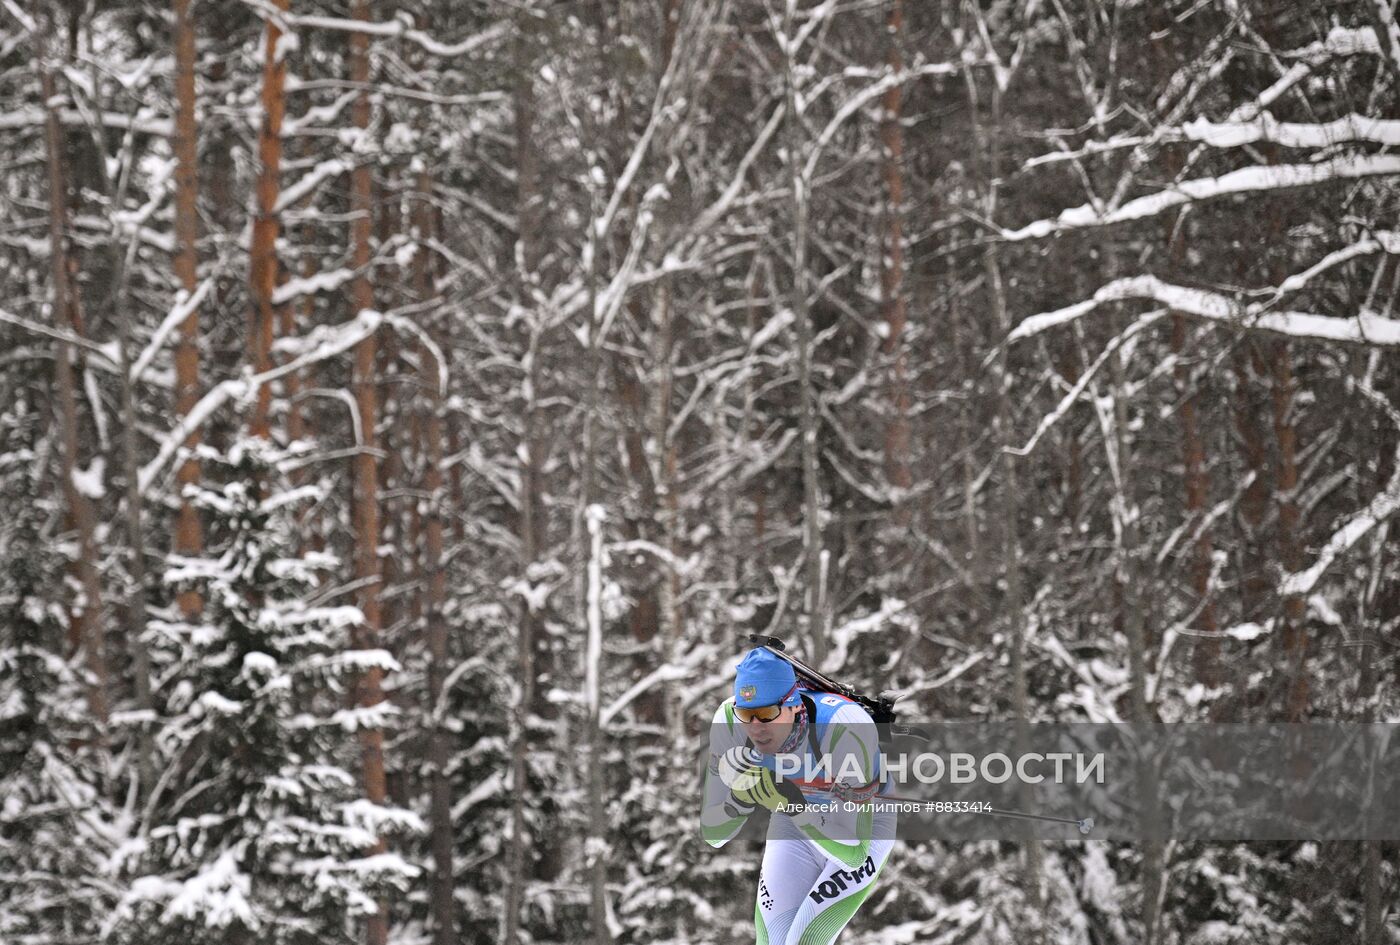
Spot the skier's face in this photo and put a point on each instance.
(767, 736)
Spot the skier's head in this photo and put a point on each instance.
(766, 701)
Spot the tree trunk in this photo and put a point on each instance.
(667, 493)
(753, 551)
(392, 445)
(988, 149)
(596, 848)
(1129, 578)
(529, 211)
(589, 564)
(1195, 480)
(1206, 649)
(189, 532)
(1248, 369)
(798, 207)
(434, 593)
(368, 686)
(135, 533)
(87, 620)
(114, 290)
(1294, 636)
(892, 300)
(969, 415)
(1295, 632)
(262, 253)
(645, 614)
(1373, 931)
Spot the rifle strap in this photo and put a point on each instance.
(812, 740)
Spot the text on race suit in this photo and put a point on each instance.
(841, 880)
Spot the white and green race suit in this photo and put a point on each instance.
(820, 863)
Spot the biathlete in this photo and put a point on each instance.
(813, 759)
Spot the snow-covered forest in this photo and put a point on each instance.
(408, 408)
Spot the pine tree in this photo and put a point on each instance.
(54, 823)
(259, 822)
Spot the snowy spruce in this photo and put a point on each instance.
(258, 825)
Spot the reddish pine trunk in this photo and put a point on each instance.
(262, 254)
(1206, 652)
(1196, 483)
(1279, 369)
(87, 624)
(1195, 479)
(1290, 553)
(189, 533)
(368, 690)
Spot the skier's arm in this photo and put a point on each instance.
(722, 815)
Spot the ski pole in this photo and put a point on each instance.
(1085, 824)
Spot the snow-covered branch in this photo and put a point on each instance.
(1381, 507)
(1235, 133)
(669, 672)
(404, 30)
(1386, 16)
(842, 636)
(1232, 134)
(56, 333)
(609, 301)
(593, 658)
(1341, 41)
(1075, 392)
(859, 100)
(312, 179)
(176, 317)
(318, 346)
(659, 110)
(143, 121)
(722, 204)
(434, 350)
(322, 115)
(1244, 180)
(307, 285)
(1380, 241)
(1363, 328)
(637, 545)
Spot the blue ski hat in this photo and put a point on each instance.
(765, 679)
